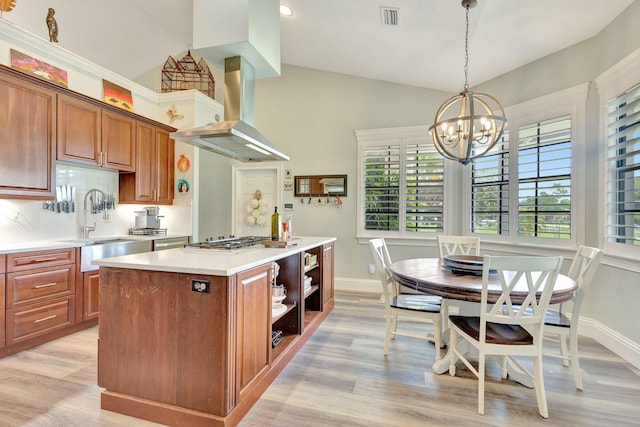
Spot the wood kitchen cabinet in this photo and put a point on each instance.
(118, 141)
(152, 181)
(79, 131)
(27, 137)
(90, 295)
(187, 348)
(40, 294)
(91, 135)
(327, 273)
(3, 259)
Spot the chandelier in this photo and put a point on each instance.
(469, 124)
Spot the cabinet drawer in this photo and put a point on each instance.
(39, 259)
(35, 285)
(38, 319)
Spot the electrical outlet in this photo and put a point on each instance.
(372, 269)
(200, 285)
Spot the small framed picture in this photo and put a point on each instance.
(288, 186)
(288, 175)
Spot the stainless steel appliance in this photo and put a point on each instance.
(170, 243)
(148, 218)
(230, 243)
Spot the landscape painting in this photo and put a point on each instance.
(35, 67)
(117, 95)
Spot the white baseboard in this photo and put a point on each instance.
(614, 341)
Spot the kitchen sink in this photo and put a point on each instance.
(97, 249)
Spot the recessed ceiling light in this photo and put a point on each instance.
(285, 10)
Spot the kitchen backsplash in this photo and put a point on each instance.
(26, 220)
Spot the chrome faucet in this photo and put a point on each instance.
(86, 229)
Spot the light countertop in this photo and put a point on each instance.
(41, 245)
(207, 261)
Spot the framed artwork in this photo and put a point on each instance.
(183, 186)
(35, 67)
(117, 95)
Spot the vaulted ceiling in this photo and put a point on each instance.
(425, 48)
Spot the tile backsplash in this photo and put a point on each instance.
(26, 220)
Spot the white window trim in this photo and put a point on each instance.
(391, 135)
(616, 80)
(571, 101)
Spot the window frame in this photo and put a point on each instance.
(569, 102)
(618, 79)
(402, 136)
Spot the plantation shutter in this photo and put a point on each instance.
(623, 161)
(382, 187)
(544, 179)
(424, 189)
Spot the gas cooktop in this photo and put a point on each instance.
(230, 243)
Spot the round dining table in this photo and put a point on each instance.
(429, 276)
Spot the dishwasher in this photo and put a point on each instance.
(170, 243)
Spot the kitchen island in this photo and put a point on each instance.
(185, 335)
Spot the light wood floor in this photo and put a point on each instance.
(339, 378)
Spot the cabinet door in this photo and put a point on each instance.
(2, 299)
(27, 129)
(145, 186)
(118, 141)
(90, 295)
(164, 167)
(253, 327)
(327, 272)
(78, 131)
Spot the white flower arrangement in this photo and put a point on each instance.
(256, 209)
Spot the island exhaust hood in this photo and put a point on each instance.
(234, 137)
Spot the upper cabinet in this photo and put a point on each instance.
(90, 135)
(118, 141)
(79, 131)
(152, 181)
(27, 138)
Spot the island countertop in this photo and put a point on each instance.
(210, 262)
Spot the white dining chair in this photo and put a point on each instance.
(422, 307)
(458, 245)
(505, 329)
(455, 245)
(559, 326)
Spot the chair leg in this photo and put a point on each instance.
(394, 325)
(481, 374)
(575, 363)
(563, 350)
(504, 373)
(538, 381)
(387, 333)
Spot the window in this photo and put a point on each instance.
(490, 190)
(544, 179)
(402, 183)
(623, 166)
(523, 190)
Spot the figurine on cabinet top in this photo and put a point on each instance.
(52, 25)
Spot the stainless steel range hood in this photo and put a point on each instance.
(235, 137)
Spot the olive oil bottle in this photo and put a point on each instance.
(276, 225)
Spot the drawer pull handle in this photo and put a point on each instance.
(45, 318)
(46, 285)
(36, 260)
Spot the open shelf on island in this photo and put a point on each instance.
(311, 290)
(309, 316)
(287, 340)
(310, 267)
(281, 315)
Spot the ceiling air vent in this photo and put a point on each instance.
(389, 15)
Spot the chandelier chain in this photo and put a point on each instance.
(466, 51)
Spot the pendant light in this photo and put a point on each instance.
(469, 124)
